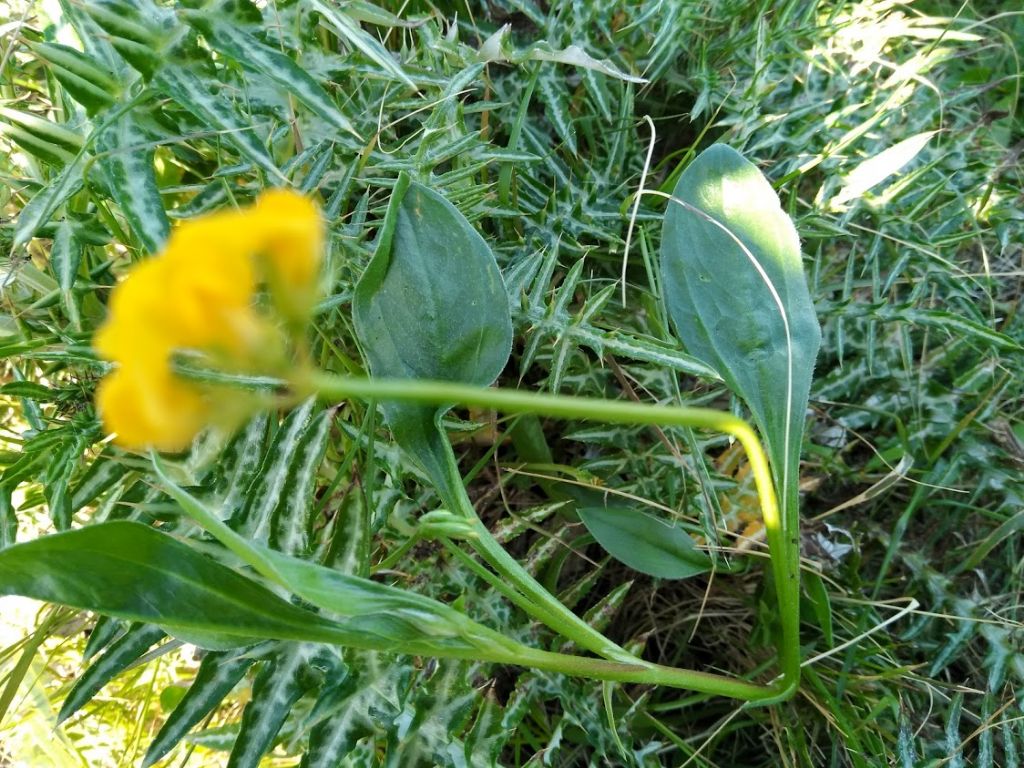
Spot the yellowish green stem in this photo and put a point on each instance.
(782, 546)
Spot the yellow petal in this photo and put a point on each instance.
(149, 408)
(293, 237)
(139, 324)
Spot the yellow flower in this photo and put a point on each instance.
(199, 293)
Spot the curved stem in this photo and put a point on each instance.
(547, 607)
(781, 532)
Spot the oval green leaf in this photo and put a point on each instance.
(645, 543)
(431, 305)
(736, 293)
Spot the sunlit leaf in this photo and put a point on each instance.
(736, 293)
(877, 168)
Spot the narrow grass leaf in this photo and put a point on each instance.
(954, 746)
(137, 30)
(905, 743)
(46, 132)
(821, 606)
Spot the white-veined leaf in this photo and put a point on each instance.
(291, 519)
(278, 685)
(126, 157)
(65, 259)
(270, 483)
(272, 64)
(218, 674)
(192, 94)
(498, 47)
(351, 33)
(40, 209)
(121, 654)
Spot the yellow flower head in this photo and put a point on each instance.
(199, 293)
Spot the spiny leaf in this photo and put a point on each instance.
(369, 46)
(101, 475)
(218, 674)
(278, 685)
(272, 64)
(292, 516)
(346, 712)
(239, 465)
(498, 48)
(40, 209)
(65, 258)
(8, 520)
(127, 161)
(90, 83)
(58, 476)
(270, 483)
(119, 656)
(192, 94)
(103, 633)
(556, 107)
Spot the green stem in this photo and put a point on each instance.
(781, 533)
(551, 611)
(652, 674)
(536, 601)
